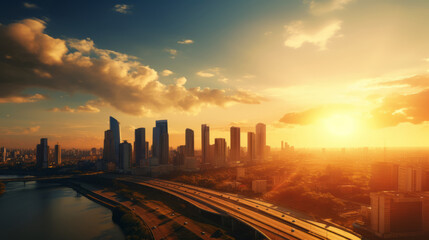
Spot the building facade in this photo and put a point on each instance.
(235, 144)
(261, 141)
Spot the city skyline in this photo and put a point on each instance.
(315, 72)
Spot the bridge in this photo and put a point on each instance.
(46, 178)
(270, 221)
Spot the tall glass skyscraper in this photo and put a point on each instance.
(116, 131)
(140, 146)
(160, 141)
(205, 143)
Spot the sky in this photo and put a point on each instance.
(318, 73)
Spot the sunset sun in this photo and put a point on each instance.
(340, 124)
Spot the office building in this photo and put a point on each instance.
(140, 151)
(125, 154)
(160, 142)
(261, 138)
(205, 143)
(109, 157)
(116, 131)
(235, 144)
(220, 152)
(395, 214)
(42, 154)
(259, 186)
(4, 154)
(251, 146)
(189, 140)
(57, 154)
(384, 177)
(180, 154)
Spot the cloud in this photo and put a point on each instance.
(212, 72)
(19, 130)
(186, 41)
(22, 99)
(84, 108)
(313, 115)
(319, 7)
(181, 81)
(30, 5)
(166, 73)
(78, 66)
(172, 52)
(299, 32)
(122, 8)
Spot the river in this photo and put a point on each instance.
(48, 211)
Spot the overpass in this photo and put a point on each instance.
(46, 178)
(272, 222)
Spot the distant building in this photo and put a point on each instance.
(205, 143)
(261, 141)
(235, 144)
(251, 146)
(241, 172)
(125, 154)
(116, 134)
(140, 151)
(259, 186)
(189, 140)
(220, 152)
(384, 177)
(395, 214)
(161, 142)
(42, 154)
(4, 154)
(109, 156)
(179, 158)
(57, 155)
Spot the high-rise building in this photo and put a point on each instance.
(179, 158)
(4, 154)
(57, 154)
(109, 149)
(220, 152)
(251, 146)
(189, 135)
(140, 147)
(125, 153)
(411, 179)
(42, 154)
(397, 215)
(261, 141)
(160, 142)
(235, 144)
(384, 177)
(205, 143)
(116, 131)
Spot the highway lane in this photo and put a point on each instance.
(321, 229)
(275, 229)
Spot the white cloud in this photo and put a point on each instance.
(30, 5)
(22, 99)
(319, 7)
(166, 72)
(84, 108)
(172, 52)
(186, 41)
(205, 74)
(78, 66)
(122, 8)
(298, 33)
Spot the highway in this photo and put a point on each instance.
(273, 223)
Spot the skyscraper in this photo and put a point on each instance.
(140, 146)
(57, 155)
(42, 153)
(109, 149)
(220, 152)
(235, 144)
(205, 143)
(125, 153)
(4, 153)
(160, 141)
(261, 138)
(189, 147)
(116, 131)
(251, 146)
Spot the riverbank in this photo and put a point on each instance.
(132, 225)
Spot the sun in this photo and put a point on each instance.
(340, 124)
